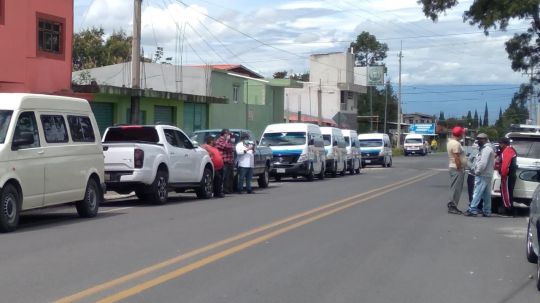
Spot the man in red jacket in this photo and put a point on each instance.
(507, 171)
(217, 161)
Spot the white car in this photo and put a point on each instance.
(153, 159)
(527, 146)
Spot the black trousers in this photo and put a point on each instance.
(228, 176)
(218, 182)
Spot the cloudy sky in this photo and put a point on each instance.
(448, 65)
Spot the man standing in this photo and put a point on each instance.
(246, 162)
(217, 161)
(507, 171)
(483, 168)
(456, 165)
(226, 148)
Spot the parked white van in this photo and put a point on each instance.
(297, 149)
(336, 152)
(415, 144)
(354, 157)
(376, 149)
(50, 153)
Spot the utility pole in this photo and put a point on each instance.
(319, 103)
(136, 63)
(399, 100)
(370, 106)
(385, 105)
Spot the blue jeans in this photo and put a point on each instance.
(482, 190)
(245, 173)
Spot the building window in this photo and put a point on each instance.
(235, 93)
(2, 12)
(50, 36)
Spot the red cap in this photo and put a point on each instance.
(457, 131)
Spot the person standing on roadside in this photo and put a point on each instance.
(226, 148)
(456, 166)
(217, 161)
(434, 145)
(507, 171)
(483, 168)
(246, 163)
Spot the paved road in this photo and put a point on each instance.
(382, 236)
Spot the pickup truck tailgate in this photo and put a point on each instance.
(119, 156)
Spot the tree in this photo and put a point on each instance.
(522, 49)
(499, 122)
(475, 120)
(469, 118)
(158, 54)
(367, 50)
(300, 77)
(280, 75)
(441, 116)
(378, 98)
(90, 49)
(486, 120)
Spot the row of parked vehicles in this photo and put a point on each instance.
(51, 153)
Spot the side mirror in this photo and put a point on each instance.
(22, 139)
(195, 143)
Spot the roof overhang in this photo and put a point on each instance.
(150, 93)
(352, 87)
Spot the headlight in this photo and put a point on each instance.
(303, 157)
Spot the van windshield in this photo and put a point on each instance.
(327, 139)
(370, 143)
(284, 138)
(5, 118)
(413, 140)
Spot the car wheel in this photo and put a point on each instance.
(531, 255)
(264, 179)
(206, 187)
(10, 208)
(342, 173)
(310, 176)
(334, 170)
(89, 206)
(389, 163)
(321, 175)
(159, 192)
(384, 162)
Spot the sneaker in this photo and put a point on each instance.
(486, 215)
(454, 210)
(469, 213)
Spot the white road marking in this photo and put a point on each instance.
(115, 209)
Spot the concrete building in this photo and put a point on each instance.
(192, 97)
(36, 51)
(418, 118)
(331, 77)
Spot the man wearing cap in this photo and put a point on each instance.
(483, 168)
(456, 165)
(507, 170)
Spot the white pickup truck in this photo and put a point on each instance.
(152, 160)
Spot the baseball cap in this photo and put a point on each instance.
(481, 136)
(457, 131)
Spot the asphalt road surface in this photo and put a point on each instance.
(382, 236)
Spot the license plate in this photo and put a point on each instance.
(368, 161)
(107, 177)
(281, 170)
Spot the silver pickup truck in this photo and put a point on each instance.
(263, 154)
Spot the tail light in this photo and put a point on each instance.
(138, 158)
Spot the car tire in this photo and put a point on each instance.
(93, 196)
(352, 171)
(159, 190)
(10, 208)
(389, 163)
(206, 187)
(532, 257)
(342, 173)
(384, 162)
(264, 179)
(334, 170)
(321, 175)
(359, 167)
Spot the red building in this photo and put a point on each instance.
(36, 38)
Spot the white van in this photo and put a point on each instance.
(336, 152)
(354, 157)
(415, 144)
(297, 149)
(50, 153)
(376, 149)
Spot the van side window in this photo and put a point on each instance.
(54, 128)
(26, 124)
(81, 129)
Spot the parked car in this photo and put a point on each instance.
(263, 154)
(527, 146)
(336, 151)
(375, 149)
(533, 234)
(153, 159)
(415, 144)
(50, 153)
(298, 150)
(354, 157)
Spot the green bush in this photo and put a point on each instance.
(397, 152)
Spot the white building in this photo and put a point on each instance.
(333, 76)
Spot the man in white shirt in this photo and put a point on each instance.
(246, 163)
